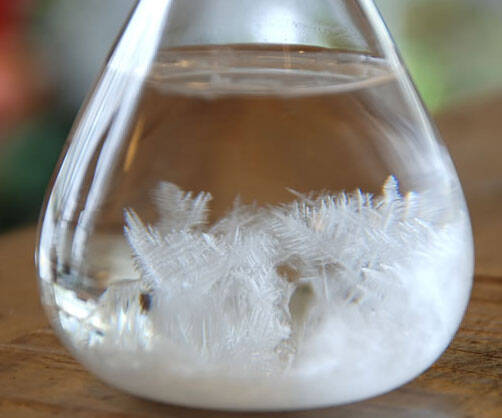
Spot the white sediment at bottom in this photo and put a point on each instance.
(323, 301)
(287, 392)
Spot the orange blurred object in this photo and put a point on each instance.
(21, 83)
(12, 12)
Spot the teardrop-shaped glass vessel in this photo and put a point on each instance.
(254, 211)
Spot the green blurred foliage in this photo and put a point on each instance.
(27, 159)
(451, 47)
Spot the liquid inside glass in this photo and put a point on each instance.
(276, 233)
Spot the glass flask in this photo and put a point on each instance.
(254, 212)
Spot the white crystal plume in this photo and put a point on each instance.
(262, 286)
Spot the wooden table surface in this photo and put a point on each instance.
(39, 378)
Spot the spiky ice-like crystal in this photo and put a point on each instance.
(300, 287)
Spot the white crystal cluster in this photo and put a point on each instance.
(326, 283)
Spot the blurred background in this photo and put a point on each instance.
(51, 51)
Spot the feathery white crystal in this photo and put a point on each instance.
(339, 293)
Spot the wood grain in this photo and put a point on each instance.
(39, 378)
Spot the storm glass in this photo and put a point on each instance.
(254, 211)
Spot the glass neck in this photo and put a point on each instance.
(337, 24)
